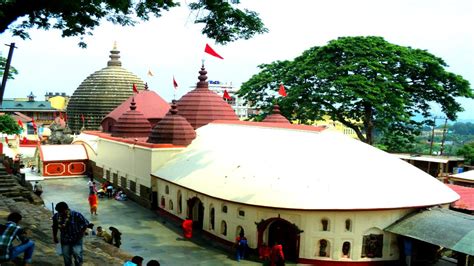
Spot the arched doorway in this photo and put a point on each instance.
(281, 231)
(196, 212)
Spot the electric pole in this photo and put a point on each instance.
(6, 71)
(445, 129)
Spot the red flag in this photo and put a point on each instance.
(34, 124)
(6, 140)
(282, 90)
(211, 51)
(135, 90)
(20, 123)
(175, 84)
(226, 95)
(82, 118)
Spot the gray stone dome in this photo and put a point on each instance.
(100, 93)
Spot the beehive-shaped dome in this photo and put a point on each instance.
(173, 129)
(202, 106)
(100, 93)
(276, 116)
(132, 124)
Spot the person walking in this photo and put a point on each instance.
(11, 231)
(93, 202)
(72, 226)
(277, 256)
(187, 228)
(241, 244)
(116, 237)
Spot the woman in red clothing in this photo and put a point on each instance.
(93, 202)
(277, 258)
(187, 228)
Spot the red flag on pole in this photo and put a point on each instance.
(34, 124)
(20, 123)
(6, 140)
(175, 84)
(82, 118)
(135, 90)
(226, 95)
(282, 90)
(211, 51)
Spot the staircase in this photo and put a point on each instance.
(11, 188)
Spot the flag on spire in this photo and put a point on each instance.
(175, 84)
(282, 90)
(82, 118)
(211, 51)
(226, 96)
(20, 123)
(135, 90)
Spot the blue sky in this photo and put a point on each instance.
(173, 45)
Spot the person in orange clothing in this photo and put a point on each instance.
(187, 228)
(93, 202)
(277, 257)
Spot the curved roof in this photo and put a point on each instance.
(100, 93)
(63, 152)
(202, 106)
(131, 124)
(299, 169)
(173, 129)
(276, 116)
(149, 103)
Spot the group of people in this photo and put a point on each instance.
(114, 238)
(138, 261)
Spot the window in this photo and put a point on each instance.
(133, 186)
(241, 213)
(348, 224)
(323, 248)
(324, 224)
(107, 175)
(115, 179)
(162, 202)
(170, 205)
(224, 228)
(346, 249)
(123, 182)
(167, 190)
(145, 192)
(224, 208)
(212, 217)
(372, 246)
(180, 202)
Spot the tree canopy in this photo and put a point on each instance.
(8, 125)
(366, 83)
(467, 151)
(11, 73)
(223, 22)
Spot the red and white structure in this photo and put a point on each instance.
(62, 160)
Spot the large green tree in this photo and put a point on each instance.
(8, 125)
(366, 83)
(223, 21)
(468, 152)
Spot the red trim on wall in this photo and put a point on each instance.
(140, 141)
(348, 262)
(50, 168)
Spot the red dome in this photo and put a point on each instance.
(131, 124)
(173, 129)
(202, 106)
(276, 116)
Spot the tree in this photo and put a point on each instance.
(223, 22)
(467, 151)
(11, 73)
(8, 125)
(365, 83)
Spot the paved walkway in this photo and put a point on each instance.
(143, 232)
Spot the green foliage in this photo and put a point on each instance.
(11, 73)
(467, 151)
(463, 128)
(223, 22)
(365, 83)
(8, 125)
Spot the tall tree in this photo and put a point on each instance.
(467, 151)
(223, 21)
(8, 125)
(366, 83)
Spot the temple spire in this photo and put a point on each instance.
(114, 56)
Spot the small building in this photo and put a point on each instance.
(69, 160)
(437, 166)
(463, 179)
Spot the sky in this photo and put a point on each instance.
(173, 46)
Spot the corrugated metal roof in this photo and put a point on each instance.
(293, 168)
(466, 201)
(26, 105)
(468, 175)
(427, 158)
(442, 227)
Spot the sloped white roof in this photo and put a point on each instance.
(89, 139)
(296, 169)
(63, 152)
(468, 175)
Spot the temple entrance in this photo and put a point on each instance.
(281, 231)
(196, 212)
